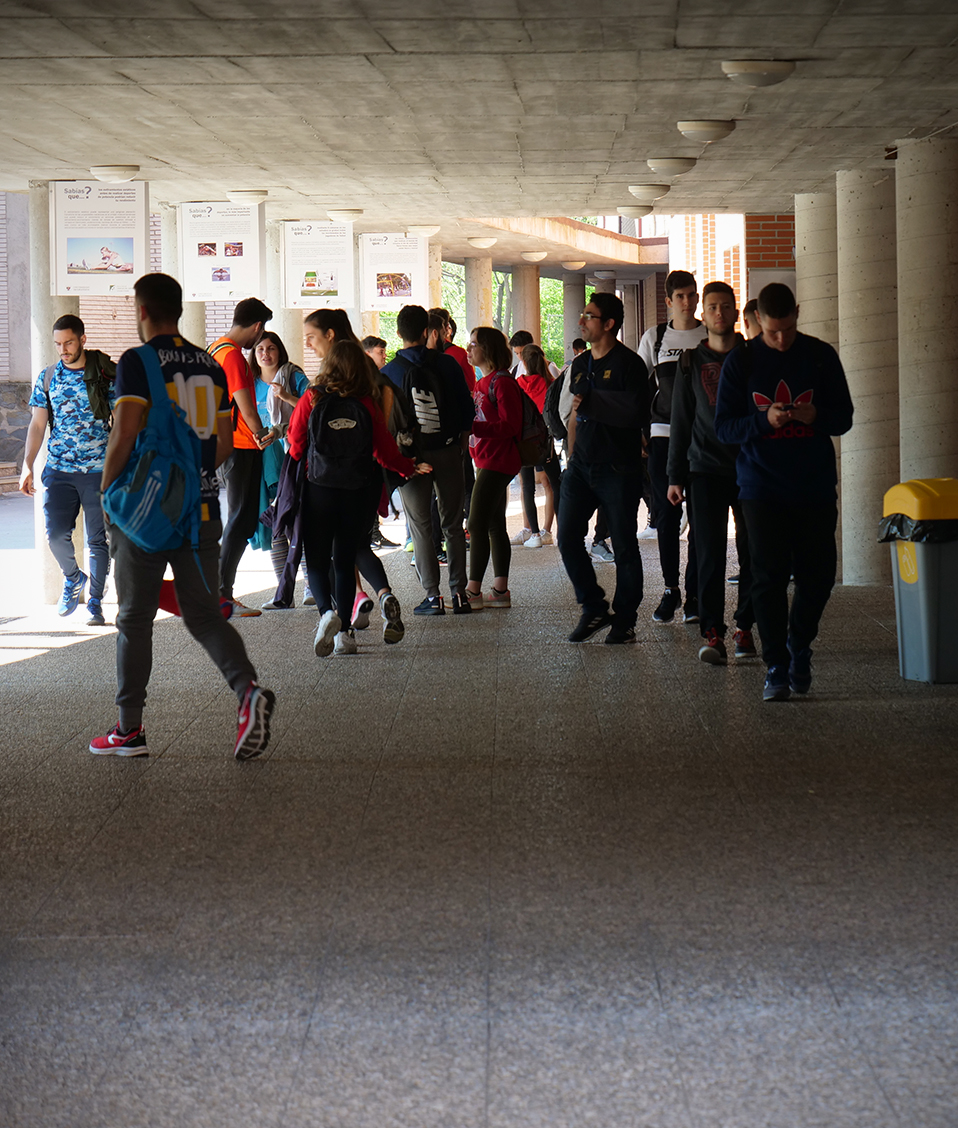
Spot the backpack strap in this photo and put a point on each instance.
(659, 334)
(47, 379)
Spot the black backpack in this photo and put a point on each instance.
(550, 408)
(340, 451)
(437, 418)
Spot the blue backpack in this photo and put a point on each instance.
(156, 499)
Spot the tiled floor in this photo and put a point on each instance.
(482, 878)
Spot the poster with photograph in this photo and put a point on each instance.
(222, 251)
(99, 236)
(318, 269)
(395, 271)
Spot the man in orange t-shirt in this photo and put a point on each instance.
(243, 470)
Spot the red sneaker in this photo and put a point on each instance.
(713, 651)
(117, 743)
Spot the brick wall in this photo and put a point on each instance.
(770, 242)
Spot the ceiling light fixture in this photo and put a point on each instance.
(247, 195)
(114, 174)
(576, 265)
(604, 275)
(481, 242)
(534, 256)
(424, 230)
(671, 166)
(344, 215)
(637, 211)
(649, 193)
(705, 130)
(758, 72)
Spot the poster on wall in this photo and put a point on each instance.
(395, 271)
(222, 251)
(318, 271)
(99, 236)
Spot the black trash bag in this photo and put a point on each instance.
(896, 526)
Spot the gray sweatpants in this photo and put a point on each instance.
(138, 576)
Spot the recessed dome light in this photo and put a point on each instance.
(671, 166)
(758, 72)
(481, 242)
(247, 195)
(344, 215)
(114, 174)
(604, 275)
(425, 230)
(636, 211)
(576, 265)
(649, 193)
(534, 256)
(705, 130)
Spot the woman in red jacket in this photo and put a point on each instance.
(535, 383)
(337, 514)
(494, 449)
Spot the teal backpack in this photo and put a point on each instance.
(156, 499)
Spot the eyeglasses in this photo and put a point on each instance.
(586, 316)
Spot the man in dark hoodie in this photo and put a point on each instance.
(445, 420)
(782, 397)
(702, 467)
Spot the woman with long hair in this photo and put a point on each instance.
(323, 328)
(535, 383)
(494, 448)
(279, 385)
(343, 488)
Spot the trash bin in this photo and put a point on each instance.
(921, 521)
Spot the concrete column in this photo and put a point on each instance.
(478, 292)
(603, 286)
(18, 287)
(868, 341)
(926, 174)
(44, 310)
(816, 289)
(193, 319)
(435, 275)
(526, 309)
(370, 324)
(630, 327)
(286, 323)
(573, 303)
(816, 264)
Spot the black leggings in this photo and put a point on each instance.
(335, 527)
(487, 525)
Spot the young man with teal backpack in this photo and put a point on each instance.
(162, 502)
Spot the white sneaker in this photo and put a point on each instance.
(329, 626)
(345, 643)
(521, 537)
(534, 541)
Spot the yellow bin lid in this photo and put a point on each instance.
(924, 499)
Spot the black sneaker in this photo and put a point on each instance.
(619, 636)
(733, 579)
(96, 613)
(665, 612)
(431, 605)
(776, 684)
(442, 557)
(461, 604)
(589, 624)
(691, 610)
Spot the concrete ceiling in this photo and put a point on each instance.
(490, 108)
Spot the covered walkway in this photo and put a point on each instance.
(482, 878)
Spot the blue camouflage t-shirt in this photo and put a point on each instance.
(77, 440)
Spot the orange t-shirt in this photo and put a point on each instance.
(238, 376)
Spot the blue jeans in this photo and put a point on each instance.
(66, 492)
(618, 489)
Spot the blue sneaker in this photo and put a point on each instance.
(95, 609)
(776, 684)
(800, 668)
(72, 594)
